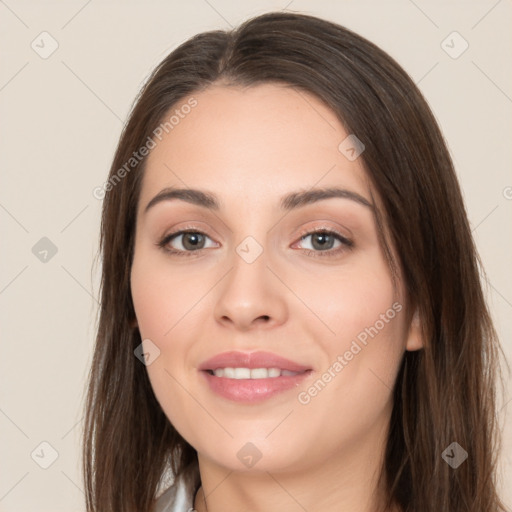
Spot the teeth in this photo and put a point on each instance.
(288, 373)
(254, 373)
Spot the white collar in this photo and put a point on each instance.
(179, 497)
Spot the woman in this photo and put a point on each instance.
(291, 316)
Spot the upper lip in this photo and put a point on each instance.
(251, 360)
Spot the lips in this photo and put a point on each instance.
(252, 377)
(252, 360)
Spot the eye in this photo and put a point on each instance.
(323, 240)
(193, 240)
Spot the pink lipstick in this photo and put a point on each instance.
(252, 377)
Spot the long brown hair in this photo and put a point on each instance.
(444, 393)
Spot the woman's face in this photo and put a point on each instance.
(253, 277)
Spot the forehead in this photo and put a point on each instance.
(260, 141)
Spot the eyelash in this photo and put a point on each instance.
(346, 243)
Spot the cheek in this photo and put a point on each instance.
(352, 394)
(366, 342)
(164, 300)
(352, 298)
(161, 296)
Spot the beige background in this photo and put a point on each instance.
(61, 119)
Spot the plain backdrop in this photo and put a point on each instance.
(68, 76)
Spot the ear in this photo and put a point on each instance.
(133, 323)
(415, 335)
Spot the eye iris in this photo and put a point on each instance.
(322, 238)
(195, 238)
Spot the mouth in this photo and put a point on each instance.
(252, 377)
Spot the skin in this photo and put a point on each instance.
(250, 147)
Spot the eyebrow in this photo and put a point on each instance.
(288, 202)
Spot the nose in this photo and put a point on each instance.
(250, 295)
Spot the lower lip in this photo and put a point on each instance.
(252, 390)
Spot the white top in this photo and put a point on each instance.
(177, 498)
